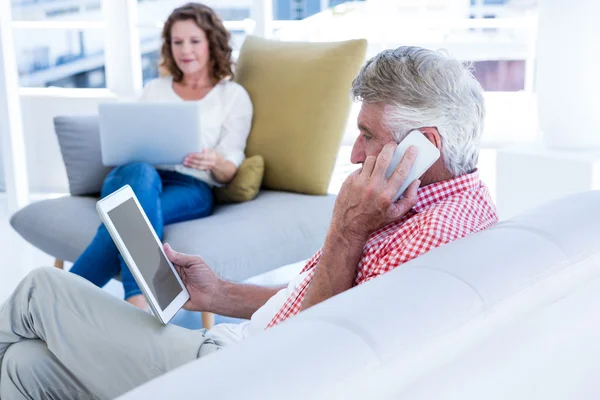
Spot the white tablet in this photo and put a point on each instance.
(143, 252)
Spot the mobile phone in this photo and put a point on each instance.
(428, 154)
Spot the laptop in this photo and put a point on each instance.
(155, 133)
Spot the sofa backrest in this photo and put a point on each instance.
(550, 354)
(381, 337)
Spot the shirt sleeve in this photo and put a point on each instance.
(236, 127)
(148, 92)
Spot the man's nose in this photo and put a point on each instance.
(358, 153)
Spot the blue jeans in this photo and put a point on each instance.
(167, 197)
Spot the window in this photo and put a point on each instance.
(36, 10)
(500, 75)
(489, 2)
(59, 43)
(333, 3)
(155, 12)
(299, 9)
(60, 57)
(150, 42)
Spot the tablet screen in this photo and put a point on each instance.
(146, 252)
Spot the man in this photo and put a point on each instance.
(61, 337)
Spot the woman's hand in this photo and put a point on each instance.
(206, 160)
(212, 161)
(200, 281)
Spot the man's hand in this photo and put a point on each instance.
(206, 160)
(200, 281)
(365, 201)
(364, 204)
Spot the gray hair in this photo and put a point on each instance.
(420, 88)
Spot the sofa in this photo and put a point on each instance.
(300, 93)
(238, 241)
(507, 313)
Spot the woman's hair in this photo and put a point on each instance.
(220, 62)
(424, 88)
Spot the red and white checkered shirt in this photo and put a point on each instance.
(445, 211)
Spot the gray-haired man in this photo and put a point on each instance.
(61, 337)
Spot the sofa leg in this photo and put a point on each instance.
(208, 320)
(60, 264)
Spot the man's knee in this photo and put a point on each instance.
(47, 282)
(31, 371)
(24, 367)
(44, 274)
(25, 357)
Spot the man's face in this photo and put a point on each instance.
(373, 135)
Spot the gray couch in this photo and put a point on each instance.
(238, 241)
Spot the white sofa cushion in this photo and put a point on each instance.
(551, 354)
(413, 319)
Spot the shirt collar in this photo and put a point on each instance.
(436, 192)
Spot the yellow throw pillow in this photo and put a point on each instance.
(301, 97)
(246, 183)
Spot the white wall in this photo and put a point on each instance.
(2, 186)
(511, 118)
(44, 161)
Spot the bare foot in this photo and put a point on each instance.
(139, 301)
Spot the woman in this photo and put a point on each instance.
(196, 62)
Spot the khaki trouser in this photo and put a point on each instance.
(63, 338)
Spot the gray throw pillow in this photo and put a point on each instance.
(79, 141)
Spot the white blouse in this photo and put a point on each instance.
(225, 120)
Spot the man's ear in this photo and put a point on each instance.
(433, 135)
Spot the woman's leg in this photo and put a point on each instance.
(101, 260)
(183, 198)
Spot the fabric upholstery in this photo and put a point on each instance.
(238, 241)
(79, 142)
(61, 227)
(246, 183)
(301, 97)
